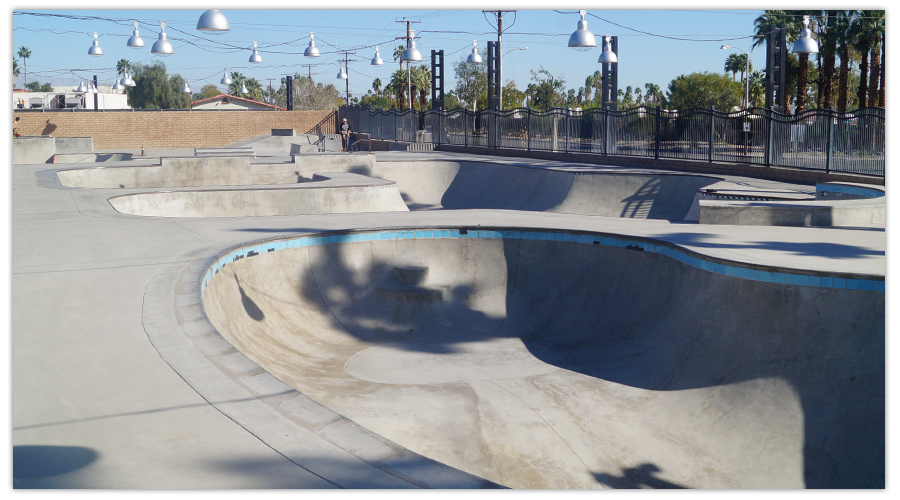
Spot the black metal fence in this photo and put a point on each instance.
(818, 139)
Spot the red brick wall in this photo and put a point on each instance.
(170, 129)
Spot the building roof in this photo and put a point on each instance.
(236, 98)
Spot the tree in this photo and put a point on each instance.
(876, 26)
(703, 90)
(398, 54)
(421, 81)
(471, 82)
(209, 90)
(154, 89)
(653, 93)
(376, 86)
(757, 88)
(25, 53)
(512, 97)
(16, 70)
(733, 65)
(398, 87)
(546, 92)
(36, 86)
(124, 65)
(844, 34)
(309, 95)
(770, 20)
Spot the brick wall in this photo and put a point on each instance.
(170, 129)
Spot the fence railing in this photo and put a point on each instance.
(817, 139)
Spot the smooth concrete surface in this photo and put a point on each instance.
(119, 380)
(32, 149)
(863, 212)
(90, 157)
(66, 145)
(589, 357)
(326, 193)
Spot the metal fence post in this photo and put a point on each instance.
(605, 131)
(770, 139)
(568, 122)
(712, 131)
(658, 118)
(528, 129)
(829, 143)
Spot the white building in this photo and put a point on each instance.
(67, 97)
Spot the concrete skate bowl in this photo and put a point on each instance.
(464, 185)
(570, 360)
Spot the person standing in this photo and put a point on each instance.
(16, 126)
(345, 135)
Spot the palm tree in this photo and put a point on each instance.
(653, 92)
(757, 87)
(877, 24)
(16, 70)
(734, 64)
(398, 54)
(25, 53)
(863, 34)
(421, 79)
(844, 35)
(771, 19)
(376, 86)
(828, 42)
(124, 65)
(398, 87)
(236, 80)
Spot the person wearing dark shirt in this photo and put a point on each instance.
(345, 135)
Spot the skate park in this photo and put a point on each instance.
(300, 317)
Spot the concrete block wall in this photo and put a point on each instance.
(170, 129)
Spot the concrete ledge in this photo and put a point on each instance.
(283, 131)
(90, 157)
(66, 145)
(357, 163)
(200, 162)
(33, 149)
(851, 213)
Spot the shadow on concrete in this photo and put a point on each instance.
(642, 476)
(250, 307)
(32, 463)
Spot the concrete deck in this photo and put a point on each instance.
(119, 380)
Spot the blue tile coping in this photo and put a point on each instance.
(757, 273)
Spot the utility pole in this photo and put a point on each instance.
(409, 36)
(499, 14)
(310, 66)
(347, 61)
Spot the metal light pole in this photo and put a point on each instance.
(747, 79)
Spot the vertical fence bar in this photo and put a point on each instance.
(656, 146)
(829, 139)
(568, 112)
(712, 132)
(528, 129)
(770, 138)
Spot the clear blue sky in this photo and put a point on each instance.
(655, 45)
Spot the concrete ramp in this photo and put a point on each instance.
(463, 185)
(543, 360)
(327, 194)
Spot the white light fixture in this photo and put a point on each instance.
(162, 46)
(127, 80)
(187, 88)
(81, 87)
(582, 38)
(214, 22)
(376, 61)
(255, 57)
(95, 49)
(311, 51)
(342, 74)
(411, 54)
(117, 85)
(135, 41)
(607, 56)
(474, 57)
(225, 79)
(806, 44)
(243, 89)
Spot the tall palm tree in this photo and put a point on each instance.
(757, 87)
(881, 85)
(653, 92)
(734, 64)
(863, 33)
(828, 42)
(25, 53)
(376, 86)
(236, 80)
(398, 54)
(877, 25)
(844, 34)
(16, 70)
(398, 87)
(421, 79)
(772, 19)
